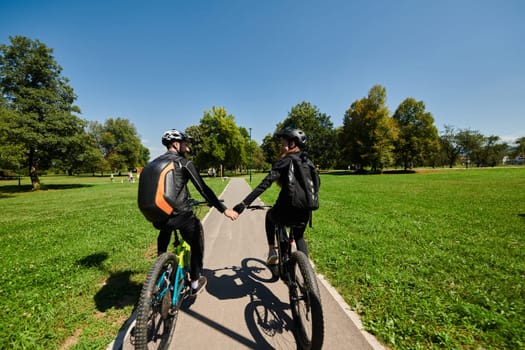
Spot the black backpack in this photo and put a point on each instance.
(304, 184)
(155, 189)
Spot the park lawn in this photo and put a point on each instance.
(429, 260)
(73, 258)
(434, 259)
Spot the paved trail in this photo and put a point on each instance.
(241, 308)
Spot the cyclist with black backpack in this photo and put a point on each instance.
(164, 200)
(299, 182)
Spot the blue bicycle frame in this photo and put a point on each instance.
(177, 285)
(182, 252)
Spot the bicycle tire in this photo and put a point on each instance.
(154, 326)
(305, 303)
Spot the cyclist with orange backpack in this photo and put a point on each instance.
(165, 200)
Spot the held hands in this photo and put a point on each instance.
(239, 208)
(232, 214)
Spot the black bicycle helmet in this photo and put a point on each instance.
(174, 135)
(293, 134)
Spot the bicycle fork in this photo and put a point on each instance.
(164, 280)
(178, 287)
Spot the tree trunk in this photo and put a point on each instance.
(35, 181)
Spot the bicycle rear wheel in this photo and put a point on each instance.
(305, 302)
(155, 325)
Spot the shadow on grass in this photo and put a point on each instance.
(9, 190)
(118, 290)
(522, 215)
(63, 187)
(93, 260)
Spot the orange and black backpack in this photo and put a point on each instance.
(155, 197)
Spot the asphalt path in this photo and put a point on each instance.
(242, 308)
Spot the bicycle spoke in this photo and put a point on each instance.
(154, 326)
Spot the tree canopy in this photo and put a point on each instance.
(39, 124)
(119, 143)
(319, 130)
(40, 129)
(368, 131)
(417, 138)
(217, 140)
(40, 116)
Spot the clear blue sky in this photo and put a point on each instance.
(161, 64)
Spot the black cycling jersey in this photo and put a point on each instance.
(278, 173)
(185, 171)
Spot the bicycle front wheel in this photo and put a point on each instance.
(155, 325)
(305, 302)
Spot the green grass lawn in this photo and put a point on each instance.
(430, 260)
(433, 260)
(73, 258)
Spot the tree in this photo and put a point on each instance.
(144, 155)
(91, 160)
(95, 130)
(270, 149)
(471, 143)
(342, 158)
(40, 100)
(492, 151)
(220, 143)
(319, 130)
(368, 131)
(83, 156)
(120, 144)
(196, 133)
(258, 159)
(417, 137)
(450, 148)
(465, 145)
(519, 150)
(520, 144)
(11, 154)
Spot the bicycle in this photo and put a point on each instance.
(295, 270)
(167, 285)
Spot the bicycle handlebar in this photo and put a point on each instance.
(258, 207)
(193, 202)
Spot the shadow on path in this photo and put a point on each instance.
(265, 314)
